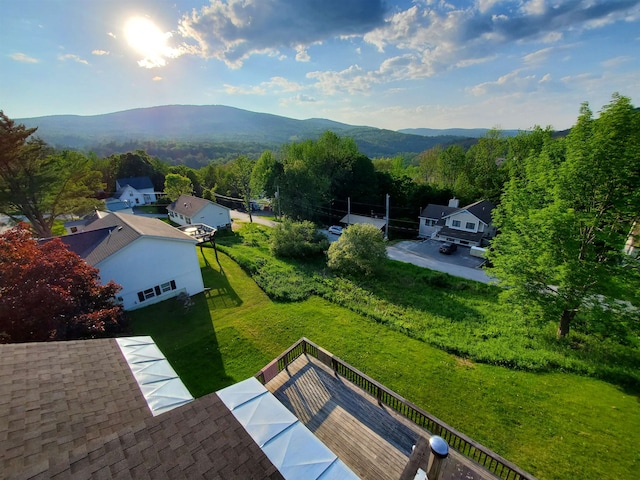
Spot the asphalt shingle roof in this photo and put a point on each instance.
(189, 205)
(116, 231)
(138, 183)
(74, 410)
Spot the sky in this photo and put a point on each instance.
(509, 64)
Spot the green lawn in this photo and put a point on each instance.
(554, 425)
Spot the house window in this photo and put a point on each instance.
(189, 221)
(470, 226)
(181, 217)
(455, 223)
(74, 229)
(157, 290)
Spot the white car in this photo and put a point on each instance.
(335, 229)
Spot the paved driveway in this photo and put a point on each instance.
(425, 254)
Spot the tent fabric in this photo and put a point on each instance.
(159, 383)
(292, 448)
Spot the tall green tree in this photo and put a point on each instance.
(565, 217)
(176, 185)
(241, 171)
(40, 183)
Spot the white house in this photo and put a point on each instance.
(150, 259)
(188, 210)
(468, 225)
(135, 191)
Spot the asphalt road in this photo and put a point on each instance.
(422, 256)
(244, 218)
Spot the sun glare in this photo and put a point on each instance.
(145, 37)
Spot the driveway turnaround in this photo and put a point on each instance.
(403, 252)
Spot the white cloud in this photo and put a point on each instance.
(509, 83)
(352, 80)
(614, 62)
(23, 58)
(99, 52)
(234, 30)
(239, 90)
(298, 99)
(274, 85)
(302, 55)
(281, 84)
(73, 57)
(446, 37)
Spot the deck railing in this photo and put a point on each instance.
(491, 461)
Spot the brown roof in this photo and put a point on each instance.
(122, 229)
(189, 205)
(73, 409)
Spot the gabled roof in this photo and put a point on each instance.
(189, 205)
(436, 212)
(113, 232)
(139, 183)
(481, 209)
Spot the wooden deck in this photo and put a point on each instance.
(373, 441)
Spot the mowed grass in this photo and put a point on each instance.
(554, 425)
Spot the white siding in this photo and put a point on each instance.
(148, 262)
(137, 197)
(212, 214)
(425, 230)
(465, 217)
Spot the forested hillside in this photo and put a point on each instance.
(214, 132)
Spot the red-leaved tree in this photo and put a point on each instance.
(49, 293)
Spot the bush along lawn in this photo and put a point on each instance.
(556, 425)
(456, 315)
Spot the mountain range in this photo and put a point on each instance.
(222, 124)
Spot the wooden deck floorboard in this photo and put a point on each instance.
(373, 441)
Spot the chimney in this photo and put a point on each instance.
(454, 202)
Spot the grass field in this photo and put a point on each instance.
(554, 425)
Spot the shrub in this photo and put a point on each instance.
(297, 240)
(360, 250)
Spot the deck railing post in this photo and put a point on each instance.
(439, 452)
(379, 395)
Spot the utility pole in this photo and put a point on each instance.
(386, 225)
(348, 211)
(278, 197)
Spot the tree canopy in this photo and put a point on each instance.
(39, 183)
(359, 250)
(565, 216)
(50, 293)
(176, 185)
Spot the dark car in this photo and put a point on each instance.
(448, 248)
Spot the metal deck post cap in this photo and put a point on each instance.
(439, 446)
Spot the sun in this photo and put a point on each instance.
(145, 37)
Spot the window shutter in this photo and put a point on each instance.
(157, 290)
(173, 284)
(141, 296)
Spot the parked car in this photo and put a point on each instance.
(335, 229)
(448, 248)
